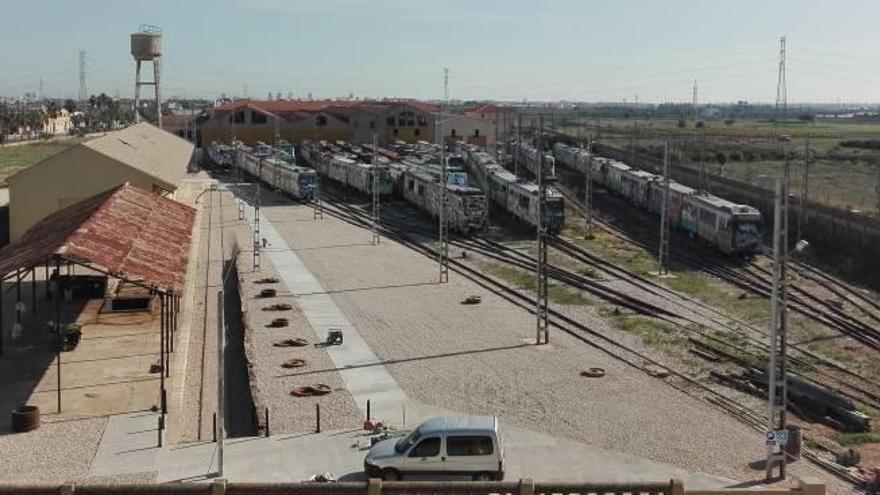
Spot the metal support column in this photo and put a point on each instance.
(137, 92)
(60, 338)
(664, 216)
(161, 351)
(443, 251)
(375, 189)
(516, 152)
(805, 192)
(2, 326)
(542, 324)
(34, 290)
(257, 238)
(18, 305)
(158, 87)
(221, 402)
(777, 392)
(316, 202)
(588, 192)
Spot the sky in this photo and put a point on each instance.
(547, 50)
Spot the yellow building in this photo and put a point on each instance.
(142, 155)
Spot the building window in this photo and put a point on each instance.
(390, 122)
(320, 121)
(453, 133)
(372, 124)
(258, 118)
(238, 117)
(476, 133)
(406, 119)
(422, 121)
(394, 133)
(416, 132)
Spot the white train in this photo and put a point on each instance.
(346, 167)
(520, 199)
(466, 209)
(259, 163)
(730, 227)
(529, 156)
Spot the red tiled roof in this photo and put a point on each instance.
(487, 108)
(129, 232)
(282, 106)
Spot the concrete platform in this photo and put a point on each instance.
(291, 458)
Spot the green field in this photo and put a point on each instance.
(15, 158)
(751, 151)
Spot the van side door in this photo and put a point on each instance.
(425, 458)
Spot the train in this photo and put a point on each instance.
(466, 208)
(263, 163)
(349, 166)
(520, 199)
(413, 175)
(731, 228)
(529, 157)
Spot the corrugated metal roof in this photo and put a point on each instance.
(129, 232)
(149, 149)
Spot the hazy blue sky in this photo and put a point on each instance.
(511, 49)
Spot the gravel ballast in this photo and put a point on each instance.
(475, 358)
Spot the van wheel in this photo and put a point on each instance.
(389, 474)
(483, 477)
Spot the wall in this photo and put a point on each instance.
(62, 180)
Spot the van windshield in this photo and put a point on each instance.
(406, 442)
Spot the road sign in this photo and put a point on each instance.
(770, 439)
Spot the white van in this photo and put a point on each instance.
(447, 446)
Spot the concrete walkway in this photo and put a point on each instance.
(362, 371)
(130, 444)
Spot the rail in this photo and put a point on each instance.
(379, 487)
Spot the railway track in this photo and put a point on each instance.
(756, 280)
(581, 332)
(830, 375)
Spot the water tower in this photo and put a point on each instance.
(146, 46)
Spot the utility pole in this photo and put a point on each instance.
(542, 327)
(805, 191)
(588, 192)
(221, 375)
(781, 93)
(518, 144)
(317, 206)
(878, 189)
(443, 254)
(375, 189)
(777, 393)
(257, 238)
(635, 136)
(705, 187)
(82, 95)
(664, 216)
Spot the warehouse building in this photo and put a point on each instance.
(142, 155)
(251, 121)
